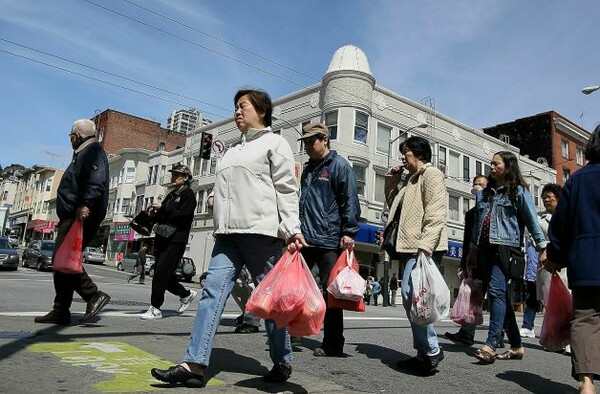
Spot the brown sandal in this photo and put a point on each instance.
(485, 356)
(512, 354)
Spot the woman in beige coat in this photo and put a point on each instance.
(423, 203)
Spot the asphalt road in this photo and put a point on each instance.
(115, 352)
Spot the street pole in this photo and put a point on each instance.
(386, 259)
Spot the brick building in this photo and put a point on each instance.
(117, 130)
(547, 138)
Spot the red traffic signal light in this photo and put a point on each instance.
(205, 145)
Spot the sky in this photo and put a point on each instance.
(480, 62)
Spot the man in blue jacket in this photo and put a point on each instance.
(329, 214)
(82, 194)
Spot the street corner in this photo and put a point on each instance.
(129, 366)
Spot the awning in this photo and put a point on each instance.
(41, 226)
(366, 233)
(455, 249)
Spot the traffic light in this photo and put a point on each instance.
(205, 145)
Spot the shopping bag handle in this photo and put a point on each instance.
(349, 257)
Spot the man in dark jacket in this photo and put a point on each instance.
(139, 269)
(329, 214)
(82, 194)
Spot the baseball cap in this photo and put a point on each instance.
(313, 129)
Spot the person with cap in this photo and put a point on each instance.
(173, 218)
(329, 214)
(82, 194)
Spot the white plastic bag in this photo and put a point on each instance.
(348, 284)
(431, 296)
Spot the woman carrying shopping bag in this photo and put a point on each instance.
(423, 203)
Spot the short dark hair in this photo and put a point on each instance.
(419, 146)
(261, 101)
(480, 176)
(552, 188)
(592, 149)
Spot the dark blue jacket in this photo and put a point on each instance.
(85, 182)
(329, 206)
(574, 230)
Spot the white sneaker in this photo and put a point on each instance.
(185, 301)
(526, 333)
(152, 314)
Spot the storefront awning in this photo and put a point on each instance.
(366, 233)
(41, 226)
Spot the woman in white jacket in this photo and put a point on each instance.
(255, 210)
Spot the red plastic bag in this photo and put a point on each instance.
(467, 308)
(348, 284)
(556, 328)
(310, 319)
(289, 295)
(341, 263)
(68, 258)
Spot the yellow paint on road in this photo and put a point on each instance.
(129, 365)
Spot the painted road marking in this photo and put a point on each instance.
(129, 364)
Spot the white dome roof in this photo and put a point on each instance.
(349, 57)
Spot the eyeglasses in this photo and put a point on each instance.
(548, 197)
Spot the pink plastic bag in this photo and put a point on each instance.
(67, 259)
(289, 295)
(467, 308)
(348, 284)
(556, 328)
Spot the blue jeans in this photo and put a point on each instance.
(258, 253)
(502, 314)
(424, 337)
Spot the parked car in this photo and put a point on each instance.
(9, 258)
(186, 269)
(93, 255)
(128, 262)
(38, 254)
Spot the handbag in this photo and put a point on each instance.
(390, 235)
(164, 230)
(142, 223)
(348, 284)
(431, 295)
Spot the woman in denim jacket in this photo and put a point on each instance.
(503, 209)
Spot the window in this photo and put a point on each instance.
(201, 207)
(564, 148)
(360, 173)
(379, 192)
(130, 175)
(453, 203)
(125, 205)
(117, 205)
(536, 195)
(566, 174)
(384, 136)
(331, 121)
(466, 206)
(579, 155)
(361, 127)
(204, 167)
(478, 168)
(48, 184)
(155, 175)
(487, 169)
(196, 168)
(163, 174)
(121, 174)
(45, 206)
(150, 175)
(454, 170)
(442, 159)
(466, 169)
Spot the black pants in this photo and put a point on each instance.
(139, 269)
(66, 284)
(333, 327)
(167, 257)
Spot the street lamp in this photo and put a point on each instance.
(389, 155)
(589, 89)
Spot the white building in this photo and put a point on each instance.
(186, 120)
(363, 118)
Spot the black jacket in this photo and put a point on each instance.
(85, 182)
(467, 235)
(329, 206)
(177, 209)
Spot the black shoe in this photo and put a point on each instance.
(422, 367)
(279, 374)
(93, 307)
(460, 338)
(129, 279)
(324, 352)
(246, 329)
(239, 320)
(141, 283)
(178, 375)
(55, 317)
(434, 361)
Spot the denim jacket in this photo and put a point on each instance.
(508, 218)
